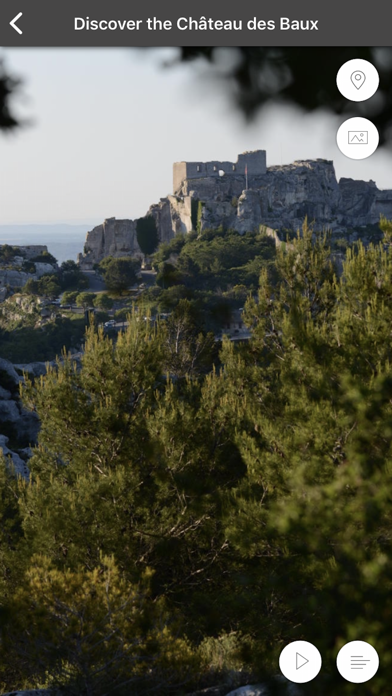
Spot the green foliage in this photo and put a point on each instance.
(386, 228)
(259, 493)
(28, 344)
(168, 275)
(147, 234)
(45, 257)
(122, 314)
(168, 299)
(47, 286)
(208, 268)
(85, 299)
(110, 454)
(315, 436)
(221, 259)
(200, 206)
(119, 274)
(103, 301)
(188, 350)
(69, 297)
(32, 287)
(28, 267)
(8, 253)
(170, 249)
(71, 277)
(93, 631)
(100, 317)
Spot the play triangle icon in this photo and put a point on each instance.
(300, 660)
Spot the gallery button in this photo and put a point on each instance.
(357, 138)
(357, 662)
(300, 662)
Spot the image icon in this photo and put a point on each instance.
(358, 78)
(358, 137)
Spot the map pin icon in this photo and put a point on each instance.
(358, 78)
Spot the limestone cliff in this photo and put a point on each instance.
(279, 199)
(13, 272)
(285, 195)
(113, 238)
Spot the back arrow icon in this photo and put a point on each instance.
(13, 23)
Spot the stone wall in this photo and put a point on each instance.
(255, 161)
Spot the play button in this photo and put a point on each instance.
(300, 662)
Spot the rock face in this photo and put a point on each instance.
(173, 215)
(33, 692)
(12, 273)
(278, 198)
(285, 195)
(16, 423)
(30, 251)
(287, 688)
(21, 468)
(112, 238)
(16, 279)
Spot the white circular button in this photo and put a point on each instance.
(300, 662)
(357, 662)
(357, 138)
(357, 80)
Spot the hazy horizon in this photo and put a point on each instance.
(106, 125)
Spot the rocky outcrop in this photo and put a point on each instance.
(33, 692)
(8, 374)
(35, 369)
(19, 266)
(250, 690)
(173, 215)
(279, 199)
(113, 238)
(285, 195)
(31, 251)
(286, 688)
(19, 464)
(15, 278)
(17, 423)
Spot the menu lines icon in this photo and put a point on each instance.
(358, 662)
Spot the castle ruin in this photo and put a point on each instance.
(255, 161)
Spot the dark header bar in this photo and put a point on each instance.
(202, 23)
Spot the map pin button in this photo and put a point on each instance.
(358, 78)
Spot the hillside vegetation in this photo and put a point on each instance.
(181, 528)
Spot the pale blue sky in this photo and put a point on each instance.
(106, 126)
